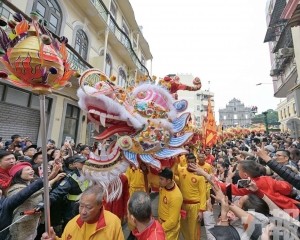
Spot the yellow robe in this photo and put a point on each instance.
(107, 227)
(169, 206)
(136, 180)
(193, 188)
(209, 169)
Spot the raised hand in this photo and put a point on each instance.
(50, 236)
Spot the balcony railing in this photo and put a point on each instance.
(76, 63)
(119, 34)
(285, 39)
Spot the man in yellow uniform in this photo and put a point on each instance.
(136, 180)
(182, 160)
(170, 201)
(207, 168)
(193, 189)
(93, 222)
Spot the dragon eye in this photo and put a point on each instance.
(141, 95)
(149, 111)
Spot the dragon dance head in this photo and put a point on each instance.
(32, 57)
(146, 124)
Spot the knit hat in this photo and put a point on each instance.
(19, 166)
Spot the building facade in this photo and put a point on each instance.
(101, 34)
(235, 114)
(286, 111)
(198, 101)
(200, 108)
(283, 37)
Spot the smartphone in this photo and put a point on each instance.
(229, 193)
(243, 183)
(234, 167)
(254, 148)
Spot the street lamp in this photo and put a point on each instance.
(258, 84)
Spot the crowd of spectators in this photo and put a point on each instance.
(255, 179)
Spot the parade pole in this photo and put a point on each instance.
(32, 58)
(45, 164)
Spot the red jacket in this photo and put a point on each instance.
(209, 158)
(119, 206)
(5, 179)
(277, 191)
(153, 232)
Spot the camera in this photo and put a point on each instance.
(253, 147)
(243, 183)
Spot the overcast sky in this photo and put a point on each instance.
(219, 41)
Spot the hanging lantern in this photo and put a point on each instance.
(32, 58)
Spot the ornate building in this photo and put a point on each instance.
(235, 114)
(101, 33)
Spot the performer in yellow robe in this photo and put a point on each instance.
(170, 201)
(136, 180)
(193, 189)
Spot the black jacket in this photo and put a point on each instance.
(67, 186)
(285, 173)
(9, 204)
(58, 199)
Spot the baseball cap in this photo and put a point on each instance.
(79, 158)
(31, 146)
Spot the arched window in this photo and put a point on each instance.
(81, 43)
(50, 11)
(108, 66)
(121, 78)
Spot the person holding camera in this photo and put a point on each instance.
(278, 191)
(282, 170)
(22, 176)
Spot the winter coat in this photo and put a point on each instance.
(277, 191)
(285, 173)
(9, 204)
(25, 229)
(5, 179)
